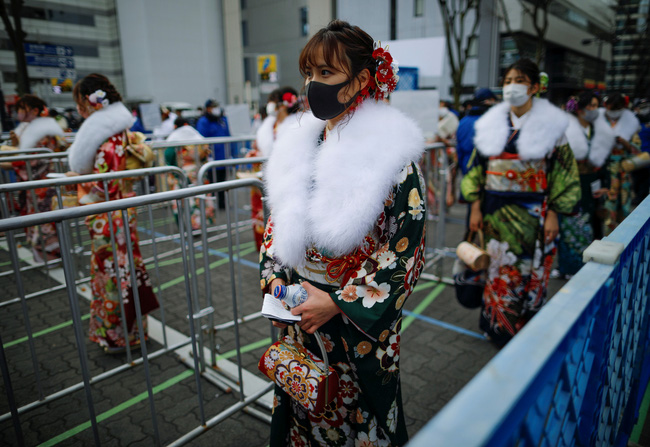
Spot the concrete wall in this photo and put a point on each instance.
(172, 52)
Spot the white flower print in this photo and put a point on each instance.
(268, 363)
(499, 255)
(99, 160)
(119, 150)
(373, 293)
(386, 258)
(392, 417)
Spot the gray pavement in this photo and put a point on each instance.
(436, 362)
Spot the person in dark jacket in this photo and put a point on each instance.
(483, 100)
(213, 123)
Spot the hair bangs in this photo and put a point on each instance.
(324, 43)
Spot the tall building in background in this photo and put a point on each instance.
(630, 69)
(66, 41)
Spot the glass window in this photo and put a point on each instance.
(244, 33)
(304, 23)
(418, 8)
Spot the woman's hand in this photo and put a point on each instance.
(476, 217)
(599, 193)
(551, 226)
(71, 174)
(274, 283)
(14, 138)
(316, 311)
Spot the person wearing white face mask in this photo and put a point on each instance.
(523, 177)
(283, 103)
(591, 140)
(214, 124)
(618, 201)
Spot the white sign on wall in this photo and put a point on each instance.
(239, 120)
(150, 116)
(420, 105)
(427, 54)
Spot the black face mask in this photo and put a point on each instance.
(323, 99)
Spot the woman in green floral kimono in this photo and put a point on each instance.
(524, 177)
(591, 139)
(348, 221)
(99, 148)
(618, 200)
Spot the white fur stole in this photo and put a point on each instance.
(598, 148)
(264, 136)
(331, 195)
(96, 129)
(626, 126)
(184, 133)
(38, 129)
(538, 136)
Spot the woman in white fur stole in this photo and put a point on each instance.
(525, 175)
(591, 139)
(99, 147)
(619, 197)
(37, 129)
(348, 220)
(283, 103)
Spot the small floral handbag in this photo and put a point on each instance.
(303, 376)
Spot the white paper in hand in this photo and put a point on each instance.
(273, 309)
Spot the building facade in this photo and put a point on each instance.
(87, 29)
(629, 72)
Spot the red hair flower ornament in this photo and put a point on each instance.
(385, 80)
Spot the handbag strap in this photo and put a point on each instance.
(481, 239)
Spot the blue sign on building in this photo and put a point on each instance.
(49, 50)
(50, 61)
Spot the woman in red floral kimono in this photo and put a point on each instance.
(37, 129)
(99, 147)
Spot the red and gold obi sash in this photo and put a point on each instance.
(508, 173)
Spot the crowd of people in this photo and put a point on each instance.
(348, 209)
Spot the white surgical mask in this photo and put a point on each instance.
(590, 115)
(442, 112)
(516, 94)
(614, 114)
(271, 109)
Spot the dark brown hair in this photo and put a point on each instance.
(526, 67)
(615, 101)
(342, 44)
(90, 84)
(32, 102)
(584, 99)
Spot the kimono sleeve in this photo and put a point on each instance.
(563, 181)
(270, 269)
(474, 181)
(373, 298)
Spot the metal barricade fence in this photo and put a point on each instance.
(577, 372)
(58, 184)
(201, 360)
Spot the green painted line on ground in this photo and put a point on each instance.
(643, 415)
(425, 285)
(142, 396)
(178, 260)
(252, 346)
(200, 271)
(43, 332)
(121, 407)
(423, 305)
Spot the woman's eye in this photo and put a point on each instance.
(325, 72)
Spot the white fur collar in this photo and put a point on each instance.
(38, 129)
(626, 126)
(598, 148)
(184, 133)
(96, 129)
(537, 137)
(264, 137)
(331, 195)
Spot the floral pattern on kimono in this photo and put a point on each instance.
(618, 200)
(370, 286)
(513, 222)
(44, 236)
(190, 159)
(106, 322)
